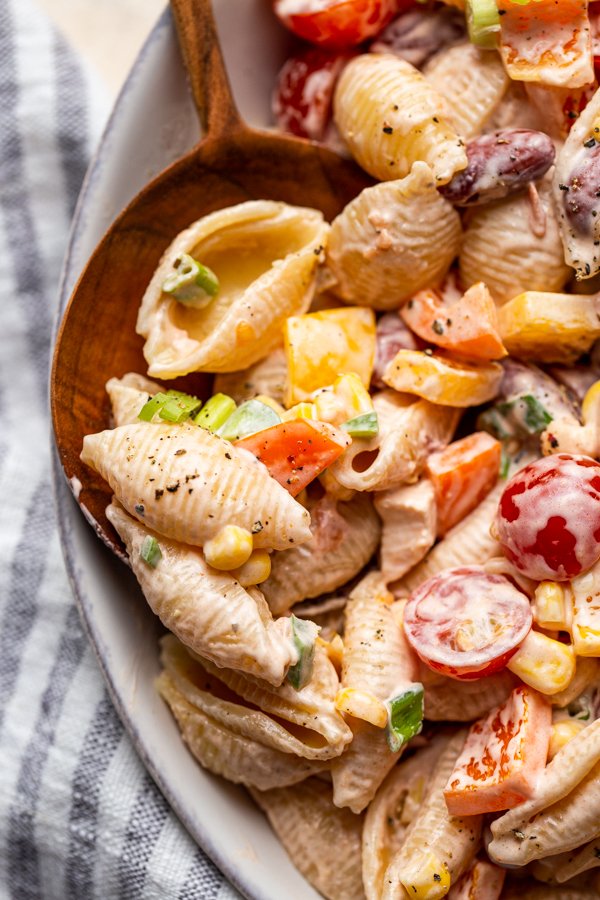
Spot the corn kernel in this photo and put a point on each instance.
(544, 664)
(255, 570)
(549, 609)
(590, 408)
(561, 734)
(304, 410)
(362, 705)
(584, 593)
(429, 880)
(229, 549)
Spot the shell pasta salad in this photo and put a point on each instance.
(376, 546)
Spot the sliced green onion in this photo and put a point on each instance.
(215, 412)
(191, 283)
(483, 23)
(518, 419)
(365, 426)
(505, 464)
(250, 417)
(304, 634)
(150, 551)
(405, 717)
(154, 405)
(179, 407)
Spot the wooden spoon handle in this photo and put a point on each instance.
(203, 60)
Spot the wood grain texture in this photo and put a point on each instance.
(233, 163)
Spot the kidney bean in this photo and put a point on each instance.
(417, 35)
(499, 164)
(581, 193)
(391, 335)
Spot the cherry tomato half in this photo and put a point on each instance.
(338, 23)
(548, 519)
(467, 623)
(304, 92)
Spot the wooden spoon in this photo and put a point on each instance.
(232, 163)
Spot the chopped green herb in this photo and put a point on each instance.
(516, 419)
(150, 551)
(405, 717)
(304, 634)
(365, 426)
(250, 417)
(191, 283)
(215, 412)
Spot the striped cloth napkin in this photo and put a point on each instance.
(79, 816)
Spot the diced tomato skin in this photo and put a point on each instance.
(456, 606)
(342, 23)
(548, 519)
(502, 757)
(294, 452)
(303, 95)
(462, 475)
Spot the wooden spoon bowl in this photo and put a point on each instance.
(232, 163)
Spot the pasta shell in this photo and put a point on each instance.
(529, 890)
(562, 814)
(473, 82)
(219, 747)
(322, 841)
(206, 691)
(469, 543)
(392, 240)
(409, 430)
(578, 861)
(448, 700)
(522, 260)
(390, 117)
(587, 672)
(344, 538)
(311, 708)
(265, 255)
(409, 528)
(377, 659)
(127, 396)
(265, 377)
(391, 812)
(327, 614)
(208, 610)
(187, 484)
(436, 843)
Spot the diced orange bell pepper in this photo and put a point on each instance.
(463, 473)
(502, 757)
(547, 41)
(468, 327)
(323, 345)
(296, 452)
(443, 380)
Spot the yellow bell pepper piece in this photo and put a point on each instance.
(549, 327)
(590, 408)
(344, 400)
(323, 345)
(544, 664)
(302, 410)
(442, 380)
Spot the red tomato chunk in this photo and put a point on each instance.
(467, 623)
(548, 519)
(304, 92)
(338, 23)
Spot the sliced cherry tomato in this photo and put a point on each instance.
(462, 474)
(296, 452)
(503, 756)
(467, 623)
(548, 519)
(391, 335)
(304, 92)
(338, 23)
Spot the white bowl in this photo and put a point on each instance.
(153, 122)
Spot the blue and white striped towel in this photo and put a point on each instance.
(80, 818)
